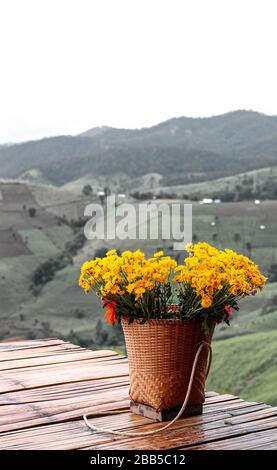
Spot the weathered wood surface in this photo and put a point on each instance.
(47, 385)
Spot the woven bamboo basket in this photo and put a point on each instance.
(161, 355)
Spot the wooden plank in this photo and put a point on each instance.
(52, 392)
(72, 432)
(234, 405)
(36, 352)
(60, 391)
(75, 434)
(256, 440)
(192, 435)
(69, 357)
(30, 344)
(219, 398)
(46, 351)
(38, 419)
(53, 374)
(210, 394)
(52, 407)
(259, 414)
(184, 426)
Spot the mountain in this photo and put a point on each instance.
(204, 147)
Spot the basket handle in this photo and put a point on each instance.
(201, 346)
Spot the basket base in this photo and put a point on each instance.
(164, 415)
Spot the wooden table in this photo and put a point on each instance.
(47, 385)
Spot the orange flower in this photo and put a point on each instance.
(110, 312)
(228, 311)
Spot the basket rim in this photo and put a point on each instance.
(162, 321)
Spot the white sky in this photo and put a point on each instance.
(69, 65)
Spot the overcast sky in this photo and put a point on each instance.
(69, 65)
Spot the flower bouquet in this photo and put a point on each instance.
(167, 312)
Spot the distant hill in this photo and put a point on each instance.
(258, 183)
(204, 147)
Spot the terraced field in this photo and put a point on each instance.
(25, 242)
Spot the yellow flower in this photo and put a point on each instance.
(209, 271)
(111, 252)
(212, 277)
(206, 302)
(158, 254)
(189, 247)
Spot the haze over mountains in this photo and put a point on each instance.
(203, 148)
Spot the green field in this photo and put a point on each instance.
(246, 366)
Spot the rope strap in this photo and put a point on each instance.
(201, 346)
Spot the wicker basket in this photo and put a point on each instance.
(161, 354)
